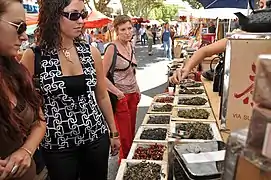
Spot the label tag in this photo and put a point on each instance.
(205, 157)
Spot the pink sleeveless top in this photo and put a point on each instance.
(124, 75)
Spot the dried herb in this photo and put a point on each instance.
(154, 134)
(192, 101)
(191, 91)
(143, 170)
(152, 152)
(158, 120)
(193, 113)
(195, 130)
(165, 99)
(191, 84)
(162, 108)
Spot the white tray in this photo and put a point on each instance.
(215, 131)
(125, 162)
(175, 116)
(150, 111)
(161, 96)
(142, 128)
(136, 145)
(206, 105)
(147, 117)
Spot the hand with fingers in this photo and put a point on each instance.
(179, 75)
(16, 164)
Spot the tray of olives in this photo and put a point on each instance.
(149, 151)
(160, 108)
(142, 169)
(156, 120)
(180, 91)
(156, 134)
(195, 101)
(163, 99)
(188, 131)
(193, 114)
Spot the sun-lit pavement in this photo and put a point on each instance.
(152, 79)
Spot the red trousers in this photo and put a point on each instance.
(125, 120)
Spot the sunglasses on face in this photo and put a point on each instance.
(21, 27)
(74, 16)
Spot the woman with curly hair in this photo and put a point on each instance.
(21, 124)
(77, 107)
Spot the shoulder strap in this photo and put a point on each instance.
(37, 61)
(114, 59)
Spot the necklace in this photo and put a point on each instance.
(126, 48)
(67, 53)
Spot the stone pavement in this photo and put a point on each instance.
(152, 80)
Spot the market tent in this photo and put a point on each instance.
(220, 13)
(32, 18)
(96, 20)
(243, 4)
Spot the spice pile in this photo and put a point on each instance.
(158, 119)
(154, 134)
(196, 130)
(143, 170)
(151, 152)
(165, 100)
(193, 114)
(162, 108)
(192, 101)
(191, 91)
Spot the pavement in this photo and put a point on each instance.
(152, 80)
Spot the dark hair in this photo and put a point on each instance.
(121, 19)
(49, 17)
(16, 80)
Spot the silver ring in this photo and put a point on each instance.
(14, 169)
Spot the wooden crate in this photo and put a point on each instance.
(206, 105)
(175, 117)
(213, 125)
(136, 145)
(142, 128)
(125, 162)
(147, 117)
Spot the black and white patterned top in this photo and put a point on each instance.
(71, 120)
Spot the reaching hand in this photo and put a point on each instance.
(179, 75)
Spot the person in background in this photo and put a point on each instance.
(154, 33)
(211, 28)
(109, 35)
(86, 36)
(76, 103)
(150, 39)
(126, 87)
(22, 125)
(167, 42)
(142, 32)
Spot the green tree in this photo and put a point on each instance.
(165, 12)
(194, 4)
(100, 5)
(140, 8)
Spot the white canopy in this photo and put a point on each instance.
(221, 13)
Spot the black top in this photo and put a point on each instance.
(75, 85)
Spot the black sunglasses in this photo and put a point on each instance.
(74, 16)
(21, 27)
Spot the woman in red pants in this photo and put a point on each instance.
(125, 85)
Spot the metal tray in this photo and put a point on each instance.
(142, 128)
(215, 132)
(124, 163)
(147, 117)
(206, 105)
(136, 145)
(175, 116)
(203, 170)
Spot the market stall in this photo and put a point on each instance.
(96, 19)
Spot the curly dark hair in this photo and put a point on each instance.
(15, 79)
(49, 27)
